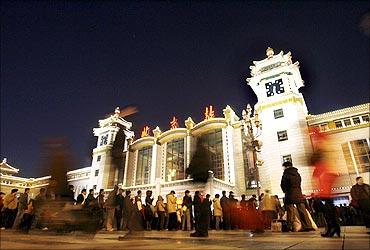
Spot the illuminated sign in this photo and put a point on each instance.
(210, 113)
(174, 124)
(145, 132)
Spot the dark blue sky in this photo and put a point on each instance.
(64, 65)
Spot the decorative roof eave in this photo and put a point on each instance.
(212, 123)
(340, 113)
(172, 134)
(7, 168)
(80, 170)
(115, 119)
(24, 179)
(97, 131)
(142, 142)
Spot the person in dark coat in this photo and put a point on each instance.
(90, 200)
(225, 204)
(291, 186)
(360, 194)
(196, 203)
(119, 209)
(81, 197)
(204, 218)
(131, 217)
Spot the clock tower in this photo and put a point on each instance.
(282, 110)
(109, 157)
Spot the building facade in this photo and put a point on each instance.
(157, 160)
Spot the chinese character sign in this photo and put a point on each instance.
(174, 124)
(145, 132)
(210, 113)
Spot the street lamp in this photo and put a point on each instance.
(252, 130)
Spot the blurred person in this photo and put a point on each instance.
(360, 193)
(171, 209)
(196, 203)
(161, 211)
(325, 174)
(110, 205)
(27, 218)
(149, 214)
(243, 212)
(81, 197)
(226, 210)
(217, 211)
(126, 210)
(71, 193)
(233, 207)
(22, 206)
(119, 209)
(38, 204)
(187, 203)
(269, 209)
(1, 208)
(291, 186)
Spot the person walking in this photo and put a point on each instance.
(161, 211)
(171, 209)
(126, 210)
(187, 203)
(360, 193)
(233, 207)
(110, 205)
(196, 203)
(225, 204)
(291, 186)
(22, 206)
(100, 208)
(217, 211)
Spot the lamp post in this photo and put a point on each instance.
(252, 130)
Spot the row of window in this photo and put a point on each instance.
(357, 155)
(351, 121)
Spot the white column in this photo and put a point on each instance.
(353, 158)
(154, 163)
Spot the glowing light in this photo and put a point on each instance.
(210, 113)
(145, 132)
(174, 124)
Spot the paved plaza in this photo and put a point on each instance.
(352, 238)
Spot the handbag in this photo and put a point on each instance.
(276, 226)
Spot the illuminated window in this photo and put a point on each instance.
(324, 127)
(286, 158)
(213, 142)
(356, 120)
(144, 161)
(347, 122)
(338, 124)
(175, 159)
(365, 118)
(278, 113)
(282, 135)
(357, 156)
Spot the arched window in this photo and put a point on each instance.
(144, 162)
(175, 160)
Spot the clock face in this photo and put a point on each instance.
(273, 88)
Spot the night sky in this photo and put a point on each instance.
(65, 65)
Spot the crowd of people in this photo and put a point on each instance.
(119, 209)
